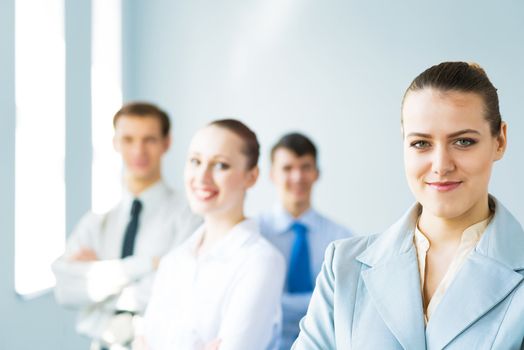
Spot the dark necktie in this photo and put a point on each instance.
(299, 278)
(131, 229)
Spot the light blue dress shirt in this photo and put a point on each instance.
(275, 225)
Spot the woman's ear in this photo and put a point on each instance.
(252, 176)
(502, 141)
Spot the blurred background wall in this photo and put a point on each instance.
(335, 70)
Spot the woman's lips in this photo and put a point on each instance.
(445, 186)
(204, 194)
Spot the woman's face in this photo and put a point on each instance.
(216, 174)
(449, 151)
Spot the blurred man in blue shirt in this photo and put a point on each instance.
(295, 228)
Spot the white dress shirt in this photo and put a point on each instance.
(109, 284)
(230, 292)
(275, 225)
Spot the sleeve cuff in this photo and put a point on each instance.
(137, 266)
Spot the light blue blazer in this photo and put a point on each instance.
(368, 294)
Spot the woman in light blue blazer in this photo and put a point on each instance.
(449, 274)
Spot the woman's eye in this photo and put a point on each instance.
(420, 144)
(194, 162)
(221, 166)
(465, 142)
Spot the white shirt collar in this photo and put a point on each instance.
(470, 237)
(239, 235)
(149, 197)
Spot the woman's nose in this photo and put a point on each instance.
(442, 161)
(204, 174)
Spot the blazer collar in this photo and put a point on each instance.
(393, 283)
(396, 240)
(503, 240)
(487, 277)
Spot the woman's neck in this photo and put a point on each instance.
(218, 226)
(444, 231)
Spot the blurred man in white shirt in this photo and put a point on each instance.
(110, 260)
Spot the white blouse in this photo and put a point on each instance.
(470, 237)
(231, 292)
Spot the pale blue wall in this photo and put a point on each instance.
(39, 323)
(333, 69)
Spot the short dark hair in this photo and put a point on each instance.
(144, 109)
(463, 77)
(251, 146)
(297, 143)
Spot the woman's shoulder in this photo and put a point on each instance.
(181, 251)
(262, 248)
(344, 252)
(353, 245)
(259, 248)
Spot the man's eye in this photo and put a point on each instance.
(151, 140)
(420, 144)
(307, 167)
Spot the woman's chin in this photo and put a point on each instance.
(201, 207)
(445, 211)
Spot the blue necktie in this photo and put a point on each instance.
(299, 279)
(132, 228)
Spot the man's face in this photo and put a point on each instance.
(140, 141)
(293, 176)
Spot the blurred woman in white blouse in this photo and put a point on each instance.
(221, 289)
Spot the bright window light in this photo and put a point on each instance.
(106, 100)
(40, 142)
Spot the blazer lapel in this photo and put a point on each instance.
(479, 286)
(486, 278)
(393, 281)
(395, 290)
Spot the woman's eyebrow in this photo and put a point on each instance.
(465, 131)
(455, 134)
(219, 157)
(419, 134)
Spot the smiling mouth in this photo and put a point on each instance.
(298, 189)
(204, 195)
(444, 186)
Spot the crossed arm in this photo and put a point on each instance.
(82, 278)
